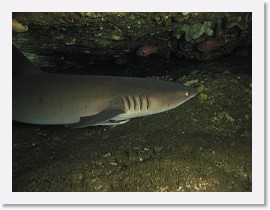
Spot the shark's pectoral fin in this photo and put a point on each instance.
(96, 119)
(112, 124)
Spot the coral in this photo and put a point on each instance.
(193, 32)
(240, 22)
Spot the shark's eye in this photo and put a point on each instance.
(187, 94)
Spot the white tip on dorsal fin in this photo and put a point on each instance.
(21, 65)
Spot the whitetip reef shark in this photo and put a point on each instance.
(79, 101)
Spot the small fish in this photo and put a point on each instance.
(146, 50)
(18, 27)
(209, 45)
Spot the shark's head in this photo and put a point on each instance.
(171, 97)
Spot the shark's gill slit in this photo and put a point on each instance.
(147, 102)
(123, 103)
(128, 102)
(140, 103)
(134, 101)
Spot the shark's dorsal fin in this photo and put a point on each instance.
(97, 119)
(21, 65)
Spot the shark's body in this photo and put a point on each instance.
(86, 100)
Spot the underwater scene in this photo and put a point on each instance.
(132, 102)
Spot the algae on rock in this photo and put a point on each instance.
(195, 31)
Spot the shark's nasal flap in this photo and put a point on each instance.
(98, 118)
